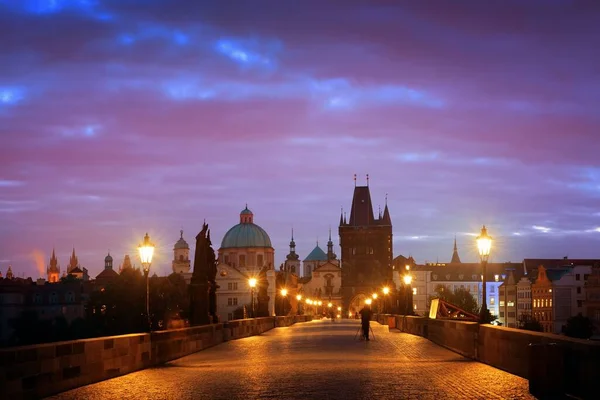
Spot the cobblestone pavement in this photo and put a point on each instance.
(315, 360)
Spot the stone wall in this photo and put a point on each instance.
(568, 364)
(42, 370)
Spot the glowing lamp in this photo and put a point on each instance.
(484, 244)
(386, 290)
(283, 292)
(407, 279)
(252, 282)
(146, 250)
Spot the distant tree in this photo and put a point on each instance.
(169, 300)
(530, 324)
(69, 279)
(579, 327)
(461, 298)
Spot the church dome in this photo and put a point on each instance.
(181, 243)
(246, 233)
(108, 258)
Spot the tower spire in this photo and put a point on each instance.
(455, 257)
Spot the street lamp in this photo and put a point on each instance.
(386, 291)
(283, 294)
(146, 250)
(407, 281)
(299, 298)
(368, 302)
(484, 245)
(252, 284)
(329, 305)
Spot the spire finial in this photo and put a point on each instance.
(367, 179)
(330, 233)
(386, 199)
(292, 233)
(181, 233)
(354, 180)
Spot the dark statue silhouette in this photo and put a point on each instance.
(203, 286)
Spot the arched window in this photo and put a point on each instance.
(53, 298)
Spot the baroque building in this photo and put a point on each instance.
(245, 252)
(366, 244)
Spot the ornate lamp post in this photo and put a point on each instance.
(484, 245)
(146, 250)
(283, 293)
(386, 291)
(252, 284)
(407, 281)
(299, 298)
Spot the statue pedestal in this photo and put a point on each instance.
(199, 314)
(272, 290)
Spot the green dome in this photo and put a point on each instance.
(246, 235)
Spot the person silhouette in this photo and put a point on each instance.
(365, 320)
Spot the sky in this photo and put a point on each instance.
(120, 117)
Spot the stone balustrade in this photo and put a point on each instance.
(41, 370)
(574, 361)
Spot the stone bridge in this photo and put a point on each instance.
(315, 360)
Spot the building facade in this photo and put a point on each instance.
(181, 264)
(366, 244)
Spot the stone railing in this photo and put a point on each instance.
(559, 362)
(41, 370)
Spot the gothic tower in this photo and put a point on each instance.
(366, 245)
(181, 256)
(53, 269)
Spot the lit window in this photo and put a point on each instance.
(492, 301)
(414, 291)
(501, 303)
(496, 278)
(511, 303)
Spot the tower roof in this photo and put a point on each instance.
(316, 255)
(362, 208)
(181, 243)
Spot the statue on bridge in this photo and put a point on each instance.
(203, 286)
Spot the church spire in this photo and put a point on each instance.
(455, 257)
(292, 256)
(330, 254)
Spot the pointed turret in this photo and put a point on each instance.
(455, 257)
(292, 256)
(342, 217)
(386, 220)
(330, 254)
(73, 262)
(9, 273)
